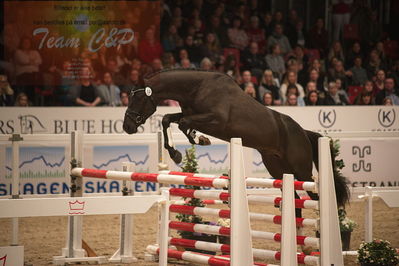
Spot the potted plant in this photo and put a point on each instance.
(190, 165)
(377, 253)
(346, 227)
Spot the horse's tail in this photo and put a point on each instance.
(341, 188)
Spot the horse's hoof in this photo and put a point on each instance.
(176, 156)
(203, 141)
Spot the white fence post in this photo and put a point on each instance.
(240, 234)
(368, 215)
(330, 236)
(125, 252)
(288, 225)
(75, 223)
(16, 138)
(164, 228)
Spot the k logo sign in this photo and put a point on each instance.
(386, 117)
(327, 117)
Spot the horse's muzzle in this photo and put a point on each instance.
(129, 128)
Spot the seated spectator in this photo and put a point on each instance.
(312, 98)
(338, 72)
(193, 51)
(379, 82)
(171, 39)
(310, 86)
(277, 19)
(290, 26)
(367, 87)
(315, 77)
(299, 35)
(359, 74)
(124, 98)
(122, 61)
(267, 98)
(68, 80)
(365, 98)
(336, 51)
(149, 48)
(291, 79)
(387, 92)
(293, 89)
(333, 97)
(22, 100)
(211, 48)
(133, 81)
(27, 61)
(318, 37)
(379, 47)
(372, 31)
(136, 64)
(237, 36)
(292, 100)
(256, 34)
(168, 60)
(219, 30)
(6, 92)
(278, 37)
(341, 90)
(374, 64)
(267, 23)
(275, 61)
(199, 32)
(113, 69)
(108, 91)
(206, 64)
(249, 89)
(268, 84)
(299, 55)
(253, 60)
(395, 73)
(183, 57)
(354, 53)
(387, 101)
(231, 68)
(246, 78)
(316, 64)
(85, 93)
(156, 65)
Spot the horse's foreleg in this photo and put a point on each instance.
(188, 123)
(166, 121)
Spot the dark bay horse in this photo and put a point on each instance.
(214, 104)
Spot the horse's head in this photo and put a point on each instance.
(141, 106)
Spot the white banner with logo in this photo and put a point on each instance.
(109, 120)
(44, 165)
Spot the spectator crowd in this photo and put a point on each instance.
(272, 56)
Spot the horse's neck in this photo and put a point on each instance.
(172, 88)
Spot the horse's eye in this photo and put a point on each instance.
(139, 119)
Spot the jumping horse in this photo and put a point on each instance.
(214, 104)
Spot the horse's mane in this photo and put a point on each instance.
(150, 75)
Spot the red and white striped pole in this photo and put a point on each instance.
(201, 211)
(258, 253)
(148, 177)
(225, 231)
(255, 199)
(198, 258)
